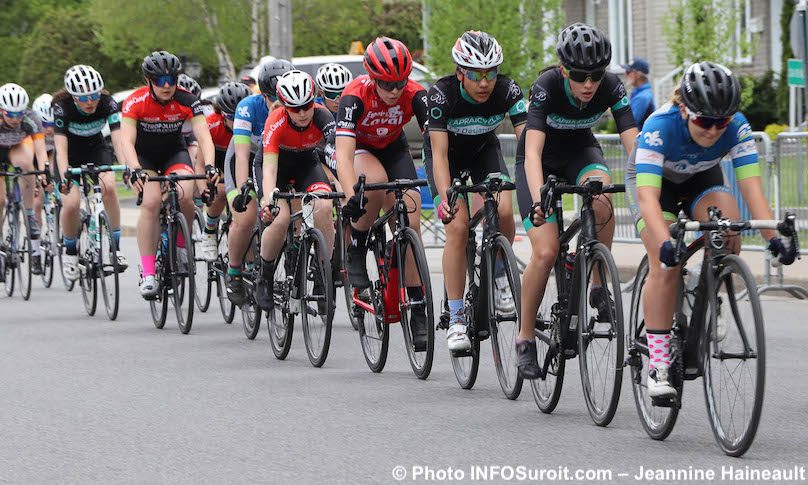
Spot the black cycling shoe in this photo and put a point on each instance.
(264, 287)
(36, 264)
(357, 268)
(322, 310)
(236, 292)
(419, 330)
(527, 362)
(601, 299)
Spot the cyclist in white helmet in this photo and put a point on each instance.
(80, 111)
(20, 138)
(42, 107)
(331, 79)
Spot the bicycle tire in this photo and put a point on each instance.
(182, 274)
(374, 333)
(467, 364)
(339, 251)
(60, 249)
(250, 312)
(108, 266)
(24, 259)
(281, 320)
(47, 249)
(712, 343)
(316, 264)
(591, 332)
(87, 277)
(204, 287)
(503, 338)
(420, 361)
(226, 306)
(159, 305)
(547, 391)
(9, 243)
(658, 422)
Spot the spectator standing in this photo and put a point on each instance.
(642, 99)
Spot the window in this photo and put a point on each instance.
(620, 31)
(742, 34)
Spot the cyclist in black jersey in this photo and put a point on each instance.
(565, 102)
(463, 110)
(81, 111)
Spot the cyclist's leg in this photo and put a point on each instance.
(70, 219)
(316, 180)
(148, 231)
(589, 162)
(368, 164)
(103, 156)
(711, 192)
(490, 160)
(180, 163)
(217, 206)
(22, 157)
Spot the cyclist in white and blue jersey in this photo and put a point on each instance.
(676, 166)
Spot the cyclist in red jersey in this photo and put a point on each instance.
(370, 140)
(152, 143)
(290, 141)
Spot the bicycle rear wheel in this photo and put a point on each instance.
(547, 391)
(204, 285)
(600, 335)
(9, 244)
(60, 248)
(182, 273)
(341, 271)
(317, 311)
(734, 355)
(657, 421)
(503, 296)
(87, 271)
(281, 320)
(374, 333)
(159, 305)
(24, 274)
(226, 306)
(108, 266)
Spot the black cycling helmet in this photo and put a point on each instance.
(230, 94)
(584, 48)
(268, 75)
(711, 90)
(189, 84)
(160, 63)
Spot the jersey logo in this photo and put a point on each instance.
(744, 132)
(349, 112)
(652, 139)
(438, 96)
(382, 131)
(436, 113)
(514, 91)
(243, 111)
(541, 95)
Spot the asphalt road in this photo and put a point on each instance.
(83, 399)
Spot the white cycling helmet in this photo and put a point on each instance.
(81, 80)
(13, 98)
(295, 88)
(42, 107)
(477, 50)
(333, 77)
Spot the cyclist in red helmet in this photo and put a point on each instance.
(370, 140)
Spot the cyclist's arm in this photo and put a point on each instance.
(656, 227)
(346, 146)
(41, 152)
(628, 138)
(116, 137)
(649, 160)
(128, 138)
(202, 134)
(747, 171)
(534, 146)
(756, 201)
(440, 161)
(60, 144)
(241, 146)
(519, 131)
(270, 168)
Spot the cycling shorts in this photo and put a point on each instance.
(296, 170)
(177, 161)
(395, 158)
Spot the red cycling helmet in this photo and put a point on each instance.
(388, 60)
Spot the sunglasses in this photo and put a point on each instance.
(332, 95)
(163, 80)
(706, 122)
(298, 109)
(392, 85)
(476, 76)
(87, 97)
(15, 114)
(47, 124)
(582, 76)
(229, 116)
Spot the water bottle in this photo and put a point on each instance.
(308, 214)
(164, 239)
(93, 229)
(569, 268)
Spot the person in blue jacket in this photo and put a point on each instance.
(642, 99)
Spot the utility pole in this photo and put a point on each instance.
(280, 28)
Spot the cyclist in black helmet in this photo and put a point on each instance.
(565, 102)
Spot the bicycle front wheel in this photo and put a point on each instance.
(159, 305)
(8, 246)
(547, 391)
(415, 303)
(182, 266)
(504, 292)
(281, 320)
(47, 246)
(734, 355)
(204, 285)
(108, 266)
(24, 256)
(226, 306)
(60, 249)
(317, 305)
(600, 334)
(87, 271)
(374, 332)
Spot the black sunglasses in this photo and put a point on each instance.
(391, 85)
(581, 76)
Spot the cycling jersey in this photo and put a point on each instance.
(83, 130)
(364, 116)
(29, 126)
(159, 126)
(281, 135)
(251, 114)
(219, 131)
(665, 149)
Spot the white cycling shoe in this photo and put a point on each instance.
(149, 287)
(659, 383)
(457, 338)
(502, 295)
(209, 247)
(70, 266)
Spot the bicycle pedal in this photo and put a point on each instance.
(483, 334)
(665, 402)
(461, 353)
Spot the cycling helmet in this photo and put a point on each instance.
(584, 48)
(268, 73)
(13, 98)
(42, 107)
(295, 88)
(160, 63)
(477, 50)
(711, 90)
(189, 84)
(388, 60)
(81, 80)
(333, 77)
(230, 95)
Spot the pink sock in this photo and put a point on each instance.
(147, 263)
(659, 349)
(180, 240)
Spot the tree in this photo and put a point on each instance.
(63, 38)
(785, 40)
(525, 29)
